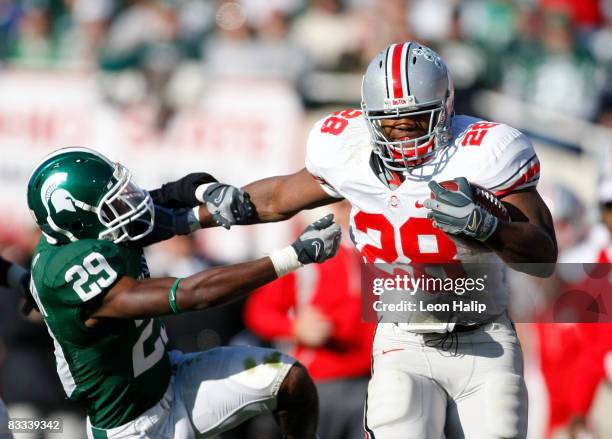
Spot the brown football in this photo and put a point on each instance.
(483, 197)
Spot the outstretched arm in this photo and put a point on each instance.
(279, 198)
(268, 200)
(132, 299)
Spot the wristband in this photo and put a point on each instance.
(285, 261)
(172, 295)
(193, 218)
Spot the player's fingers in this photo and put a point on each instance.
(220, 220)
(435, 187)
(463, 185)
(453, 221)
(430, 204)
(324, 222)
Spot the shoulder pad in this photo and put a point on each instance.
(335, 138)
(504, 158)
(336, 142)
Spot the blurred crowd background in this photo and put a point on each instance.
(232, 87)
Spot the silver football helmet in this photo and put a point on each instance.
(405, 80)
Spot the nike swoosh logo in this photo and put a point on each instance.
(418, 204)
(472, 226)
(392, 350)
(220, 197)
(317, 246)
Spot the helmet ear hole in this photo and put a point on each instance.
(77, 226)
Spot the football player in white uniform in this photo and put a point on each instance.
(385, 159)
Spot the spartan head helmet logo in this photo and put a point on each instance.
(61, 199)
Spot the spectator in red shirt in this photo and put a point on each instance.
(576, 358)
(317, 314)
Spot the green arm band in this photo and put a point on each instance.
(172, 296)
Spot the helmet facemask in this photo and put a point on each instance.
(402, 155)
(76, 193)
(125, 210)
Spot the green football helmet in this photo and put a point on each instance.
(76, 193)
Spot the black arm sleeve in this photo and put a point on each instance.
(181, 193)
(168, 223)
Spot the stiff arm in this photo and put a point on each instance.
(279, 198)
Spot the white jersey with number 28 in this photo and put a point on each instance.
(391, 226)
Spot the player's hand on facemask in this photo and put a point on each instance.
(455, 212)
(319, 241)
(227, 204)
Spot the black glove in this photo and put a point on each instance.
(181, 193)
(319, 241)
(228, 205)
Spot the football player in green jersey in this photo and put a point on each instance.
(94, 292)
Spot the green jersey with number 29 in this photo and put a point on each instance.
(118, 369)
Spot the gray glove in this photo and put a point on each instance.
(455, 212)
(228, 205)
(319, 241)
